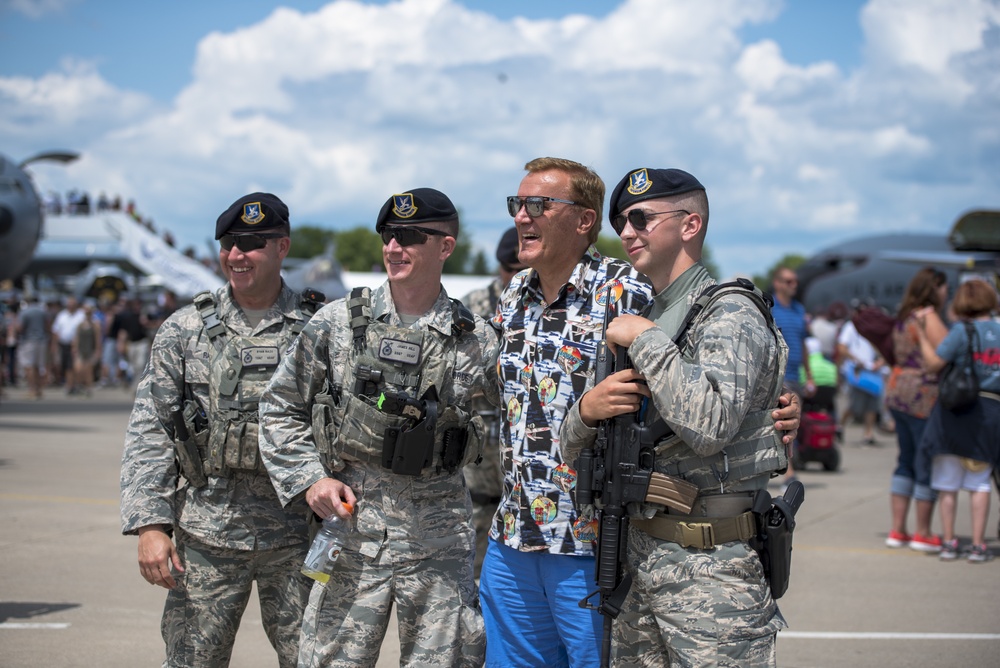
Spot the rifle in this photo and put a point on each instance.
(616, 474)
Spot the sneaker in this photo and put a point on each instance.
(929, 544)
(979, 553)
(897, 539)
(949, 550)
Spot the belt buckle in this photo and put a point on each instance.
(698, 534)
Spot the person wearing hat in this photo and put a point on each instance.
(693, 600)
(372, 407)
(195, 418)
(485, 480)
(540, 562)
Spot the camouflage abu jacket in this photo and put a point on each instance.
(731, 367)
(239, 510)
(394, 507)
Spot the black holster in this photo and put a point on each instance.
(775, 524)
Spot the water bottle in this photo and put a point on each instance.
(326, 547)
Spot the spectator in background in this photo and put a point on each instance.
(129, 330)
(790, 317)
(9, 331)
(33, 341)
(86, 349)
(825, 326)
(857, 355)
(485, 479)
(910, 394)
(965, 444)
(166, 304)
(109, 354)
(64, 332)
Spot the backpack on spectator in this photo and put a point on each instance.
(958, 384)
(876, 325)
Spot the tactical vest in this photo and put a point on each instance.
(387, 361)
(756, 452)
(240, 369)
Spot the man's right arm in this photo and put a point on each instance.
(149, 472)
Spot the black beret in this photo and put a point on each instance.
(642, 184)
(420, 205)
(253, 213)
(507, 248)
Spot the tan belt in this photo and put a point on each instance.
(703, 534)
(718, 505)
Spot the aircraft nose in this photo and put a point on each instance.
(6, 221)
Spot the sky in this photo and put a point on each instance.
(810, 123)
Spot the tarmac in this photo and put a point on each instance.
(71, 594)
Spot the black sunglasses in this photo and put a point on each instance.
(409, 236)
(639, 219)
(535, 206)
(245, 242)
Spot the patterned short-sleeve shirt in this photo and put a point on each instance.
(546, 358)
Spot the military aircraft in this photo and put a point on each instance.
(877, 269)
(21, 212)
(322, 273)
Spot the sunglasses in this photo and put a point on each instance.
(245, 242)
(535, 206)
(639, 219)
(409, 236)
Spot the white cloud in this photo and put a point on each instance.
(36, 9)
(335, 110)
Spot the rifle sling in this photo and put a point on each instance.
(704, 534)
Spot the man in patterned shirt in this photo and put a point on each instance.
(539, 563)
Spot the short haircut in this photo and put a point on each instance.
(974, 298)
(586, 187)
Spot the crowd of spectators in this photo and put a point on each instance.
(71, 346)
(897, 397)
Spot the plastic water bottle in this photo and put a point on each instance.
(326, 547)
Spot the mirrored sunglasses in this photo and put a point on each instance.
(409, 235)
(639, 219)
(245, 242)
(534, 206)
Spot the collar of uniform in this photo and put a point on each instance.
(675, 299)
(230, 312)
(439, 317)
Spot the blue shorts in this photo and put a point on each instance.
(531, 607)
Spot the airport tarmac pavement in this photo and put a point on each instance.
(71, 594)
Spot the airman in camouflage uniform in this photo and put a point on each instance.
(372, 406)
(213, 359)
(485, 479)
(692, 603)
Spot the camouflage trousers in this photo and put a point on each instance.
(431, 586)
(203, 612)
(689, 607)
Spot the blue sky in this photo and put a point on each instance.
(809, 122)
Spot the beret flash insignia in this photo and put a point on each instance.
(638, 182)
(252, 213)
(403, 206)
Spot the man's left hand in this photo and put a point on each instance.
(786, 418)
